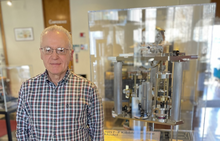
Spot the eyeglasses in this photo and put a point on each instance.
(59, 50)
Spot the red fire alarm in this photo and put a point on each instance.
(82, 34)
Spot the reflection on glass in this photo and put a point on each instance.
(169, 24)
(150, 25)
(96, 35)
(183, 23)
(135, 15)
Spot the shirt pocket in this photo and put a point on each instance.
(75, 110)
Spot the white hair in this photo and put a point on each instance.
(57, 28)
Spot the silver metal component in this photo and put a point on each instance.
(163, 75)
(158, 57)
(135, 87)
(149, 120)
(177, 89)
(118, 88)
(152, 76)
(127, 91)
(161, 97)
(134, 106)
(149, 78)
(146, 99)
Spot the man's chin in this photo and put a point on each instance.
(56, 72)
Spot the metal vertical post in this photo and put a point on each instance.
(177, 89)
(8, 126)
(156, 91)
(118, 87)
(146, 97)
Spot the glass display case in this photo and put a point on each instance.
(153, 68)
(12, 78)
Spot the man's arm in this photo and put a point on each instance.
(96, 116)
(22, 119)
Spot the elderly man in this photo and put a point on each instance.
(58, 104)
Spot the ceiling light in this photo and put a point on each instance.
(9, 3)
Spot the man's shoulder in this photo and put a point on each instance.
(80, 79)
(35, 78)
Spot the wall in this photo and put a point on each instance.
(1, 49)
(79, 19)
(23, 13)
(28, 13)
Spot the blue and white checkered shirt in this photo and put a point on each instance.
(72, 110)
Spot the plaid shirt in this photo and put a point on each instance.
(72, 110)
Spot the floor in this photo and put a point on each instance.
(5, 138)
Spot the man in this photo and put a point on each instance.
(58, 104)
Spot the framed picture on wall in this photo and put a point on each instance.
(24, 34)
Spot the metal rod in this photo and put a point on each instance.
(171, 132)
(149, 98)
(177, 89)
(118, 87)
(144, 96)
(135, 88)
(164, 86)
(168, 88)
(146, 100)
(8, 125)
(156, 92)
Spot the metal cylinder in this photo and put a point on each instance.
(177, 89)
(118, 88)
(146, 97)
(152, 76)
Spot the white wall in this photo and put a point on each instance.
(23, 13)
(79, 20)
(29, 13)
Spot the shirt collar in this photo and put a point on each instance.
(64, 80)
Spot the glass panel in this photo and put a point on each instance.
(12, 78)
(150, 65)
(209, 102)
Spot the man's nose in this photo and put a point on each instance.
(54, 54)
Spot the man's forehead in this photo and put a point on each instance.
(53, 32)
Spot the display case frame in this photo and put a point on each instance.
(11, 79)
(170, 34)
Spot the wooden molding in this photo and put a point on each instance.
(3, 37)
(217, 12)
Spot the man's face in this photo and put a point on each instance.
(54, 63)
